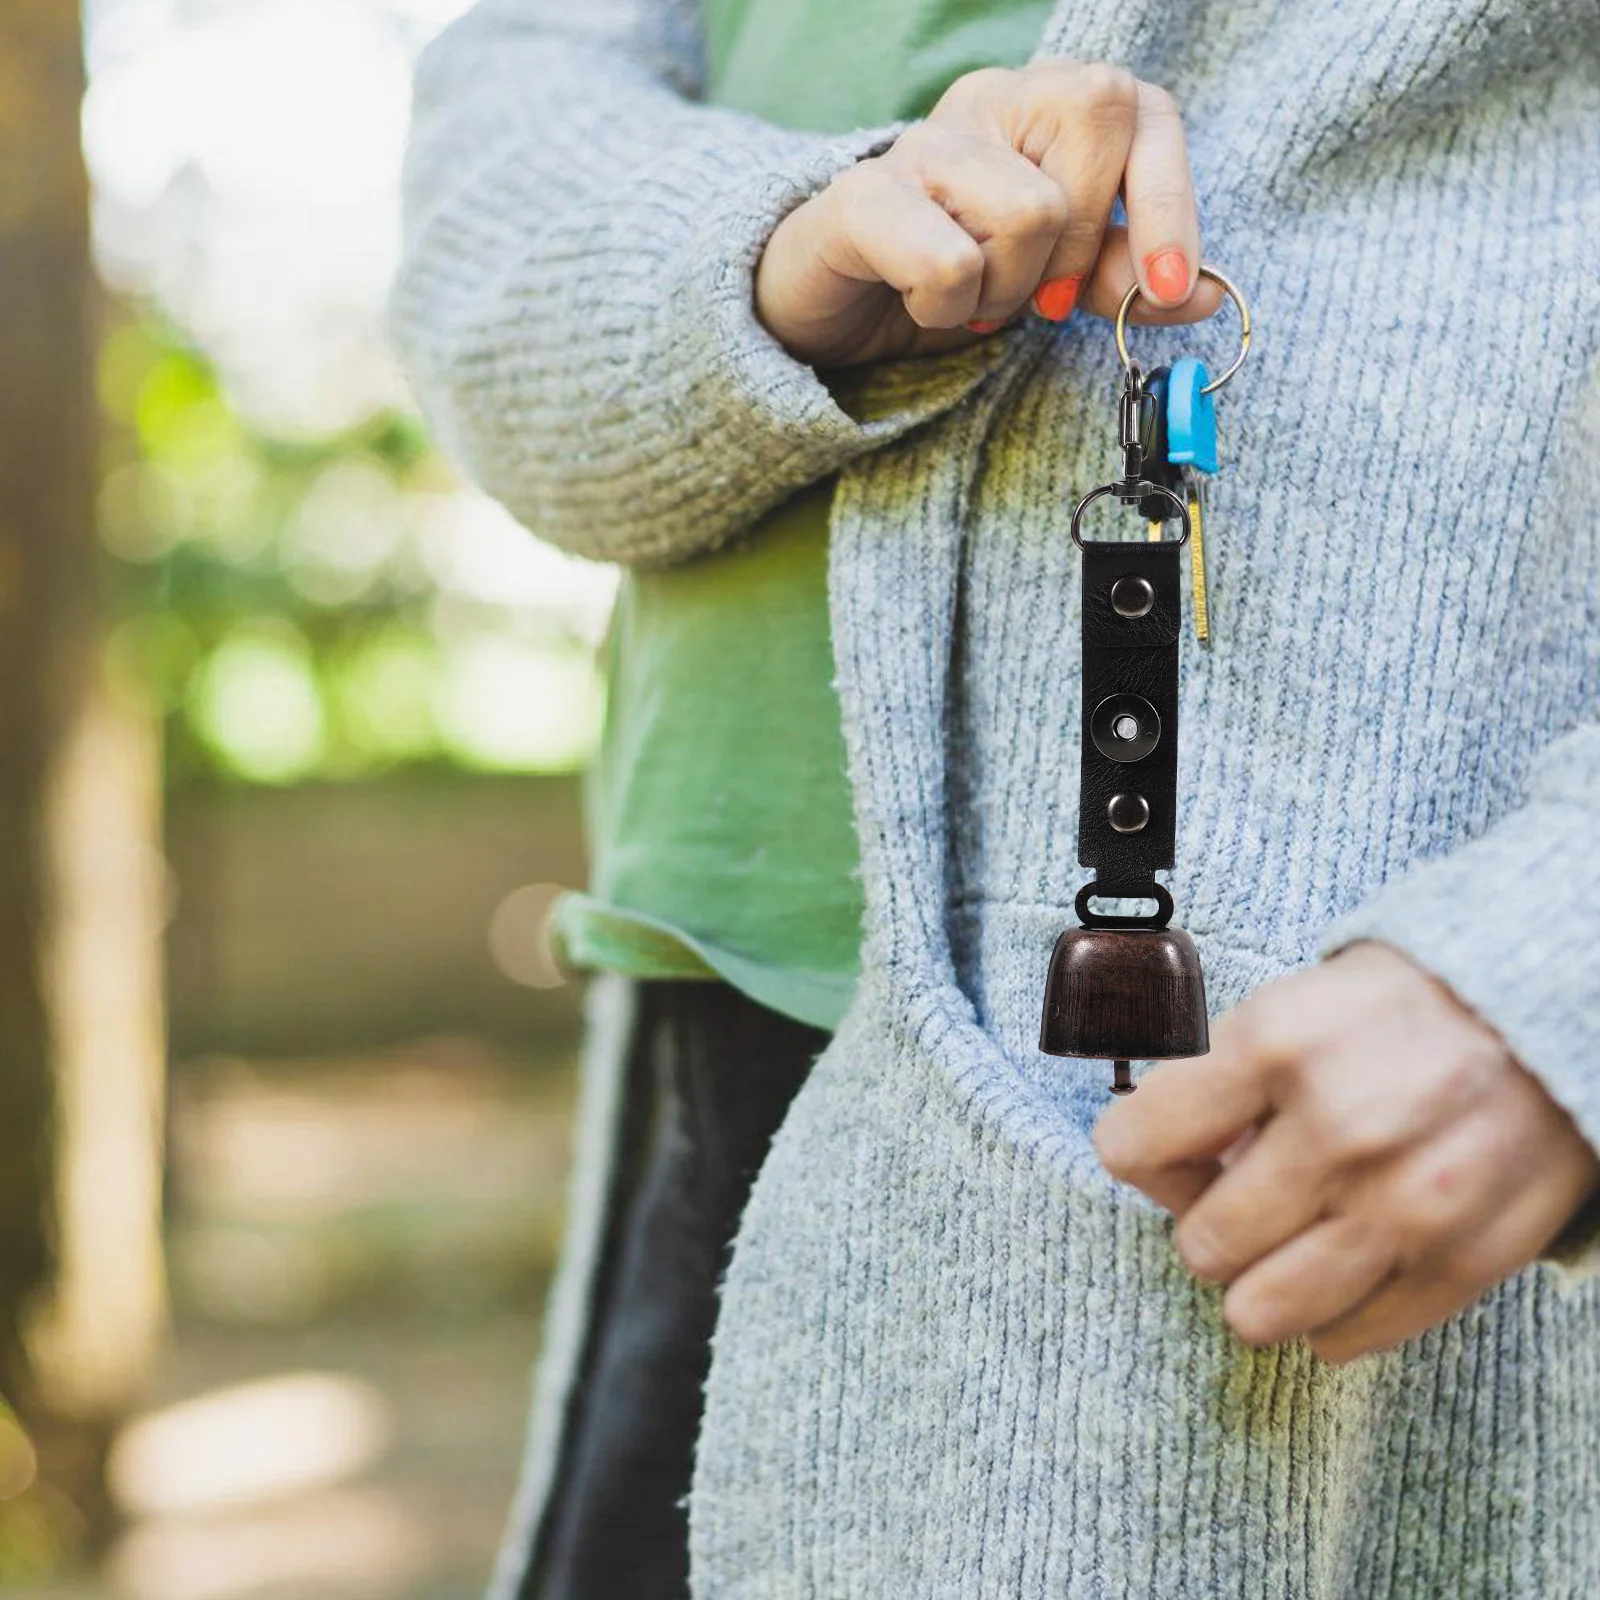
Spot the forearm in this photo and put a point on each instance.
(575, 302)
(1511, 922)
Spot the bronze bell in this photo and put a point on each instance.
(1125, 994)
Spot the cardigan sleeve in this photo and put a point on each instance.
(575, 299)
(1511, 922)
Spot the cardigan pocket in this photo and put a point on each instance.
(953, 1354)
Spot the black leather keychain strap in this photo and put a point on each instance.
(1131, 620)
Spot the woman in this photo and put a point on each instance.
(666, 302)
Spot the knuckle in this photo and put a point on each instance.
(914, 145)
(1438, 1081)
(1154, 101)
(932, 140)
(1264, 1028)
(942, 288)
(1118, 1152)
(1438, 1090)
(1056, 79)
(1256, 1316)
(1051, 69)
(950, 269)
(1388, 977)
(1204, 1249)
(1463, 1075)
(1351, 1137)
(929, 152)
(1045, 210)
(1108, 90)
(979, 87)
(1420, 1212)
(1042, 210)
(1164, 196)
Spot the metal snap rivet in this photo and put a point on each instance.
(1125, 727)
(1132, 597)
(1127, 813)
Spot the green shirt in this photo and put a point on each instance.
(719, 807)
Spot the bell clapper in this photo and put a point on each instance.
(1122, 1077)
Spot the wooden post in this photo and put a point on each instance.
(80, 997)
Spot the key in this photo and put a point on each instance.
(1195, 498)
(1191, 450)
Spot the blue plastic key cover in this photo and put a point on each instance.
(1191, 417)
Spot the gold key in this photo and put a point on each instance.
(1194, 496)
(1194, 493)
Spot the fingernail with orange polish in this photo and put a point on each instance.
(1054, 300)
(1168, 274)
(982, 327)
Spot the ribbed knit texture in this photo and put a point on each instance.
(956, 1359)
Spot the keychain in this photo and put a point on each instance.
(1127, 988)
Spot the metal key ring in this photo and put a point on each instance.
(1121, 327)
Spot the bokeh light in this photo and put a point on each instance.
(520, 936)
(266, 462)
(256, 702)
(256, 1441)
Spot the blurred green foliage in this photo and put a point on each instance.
(280, 598)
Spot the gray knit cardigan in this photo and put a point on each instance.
(955, 1358)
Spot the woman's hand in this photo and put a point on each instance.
(1358, 1158)
(1002, 196)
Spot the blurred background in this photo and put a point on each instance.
(289, 729)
